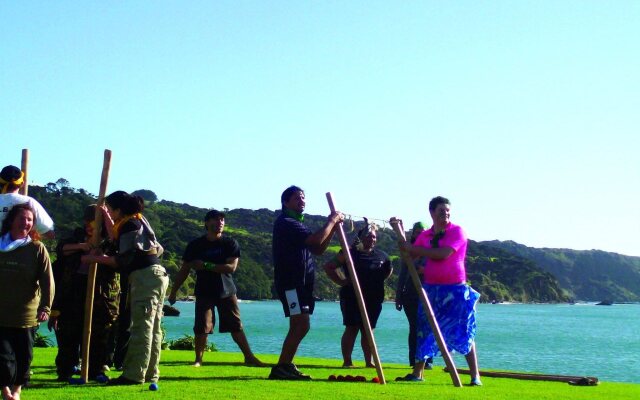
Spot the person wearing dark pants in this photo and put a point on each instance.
(407, 299)
(67, 316)
(137, 252)
(27, 289)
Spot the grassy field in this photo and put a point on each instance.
(224, 377)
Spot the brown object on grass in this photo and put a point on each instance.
(572, 380)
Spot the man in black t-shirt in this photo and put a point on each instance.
(294, 273)
(214, 258)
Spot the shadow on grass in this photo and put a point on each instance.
(212, 364)
(347, 369)
(40, 369)
(209, 378)
(54, 384)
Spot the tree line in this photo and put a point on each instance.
(498, 272)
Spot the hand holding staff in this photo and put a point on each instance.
(358, 291)
(399, 230)
(91, 279)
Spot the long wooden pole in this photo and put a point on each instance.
(24, 166)
(584, 380)
(435, 328)
(91, 279)
(356, 288)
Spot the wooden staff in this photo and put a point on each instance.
(448, 360)
(576, 380)
(91, 278)
(356, 288)
(24, 166)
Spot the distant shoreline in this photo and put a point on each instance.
(190, 299)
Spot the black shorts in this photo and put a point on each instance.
(228, 313)
(351, 311)
(16, 354)
(297, 301)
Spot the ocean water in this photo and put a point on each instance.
(580, 339)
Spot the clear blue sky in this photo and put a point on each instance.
(523, 113)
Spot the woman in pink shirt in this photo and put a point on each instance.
(444, 246)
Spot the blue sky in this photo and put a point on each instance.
(523, 113)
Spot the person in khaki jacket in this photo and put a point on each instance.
(136, 251)
(26, 295)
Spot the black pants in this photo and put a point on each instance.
(16, 353)
(118, 342)
(70, 336)
(411, 311)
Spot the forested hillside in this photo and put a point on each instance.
(587, 275)
(500, 274)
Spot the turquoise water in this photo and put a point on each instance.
(581, 339)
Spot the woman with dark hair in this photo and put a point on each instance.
(26, 294)
(444, 247)
(373, 267)
(137, 252)
(11, 180)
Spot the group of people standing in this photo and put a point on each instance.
(442, 249)
(131, 285)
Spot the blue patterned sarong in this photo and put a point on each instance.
(454, 308)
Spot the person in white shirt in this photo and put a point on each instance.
(11, 180)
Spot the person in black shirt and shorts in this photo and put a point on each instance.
(373, 267)
(294, 273)
(214, 258)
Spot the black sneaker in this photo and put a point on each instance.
(409, 378)
(121, 380)
(281, 373)
(293, 370)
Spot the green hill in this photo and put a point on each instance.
(592, 275)
(499, 272)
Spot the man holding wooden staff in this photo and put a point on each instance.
(67, 315)
(294, 273)
(444, 246)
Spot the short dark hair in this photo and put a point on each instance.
(126, 203)
(288, 192)
(9, 175)
(89, 213)
(436, 201)
(213, 214)
(13, 213)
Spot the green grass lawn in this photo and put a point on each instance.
(224, 377)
